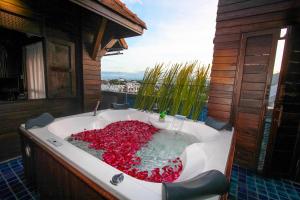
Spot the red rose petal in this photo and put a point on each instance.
(120, 142)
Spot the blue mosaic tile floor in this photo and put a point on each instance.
(245, 185)
(12, 182)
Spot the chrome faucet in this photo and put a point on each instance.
(96, 108)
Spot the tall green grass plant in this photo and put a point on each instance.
(180, 88)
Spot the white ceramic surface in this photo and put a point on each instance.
(210, 153)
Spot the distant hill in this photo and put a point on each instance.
(124, 75)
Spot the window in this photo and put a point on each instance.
(34, 62)
(21, 66)
(61, 68)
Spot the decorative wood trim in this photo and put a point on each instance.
(98, 38)
(123, 43)
(110, 44)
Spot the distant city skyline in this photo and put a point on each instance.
(110, 75)
(178, 31)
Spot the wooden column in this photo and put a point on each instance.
(91, 79)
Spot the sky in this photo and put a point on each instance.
(177, 31)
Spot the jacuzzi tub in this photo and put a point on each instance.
(211, 152)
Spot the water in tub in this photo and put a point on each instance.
(164, 146)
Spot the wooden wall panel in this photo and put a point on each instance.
(13, 114)
(234, 18)
(53, 19)
(250, 110)
(226, 52)
(91, 80)
(274, 16)
(254, 10)
(251, 27)
(224, 66)
(91, 69)
(246, 4)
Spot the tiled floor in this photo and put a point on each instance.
(245, 185)
(12, 182)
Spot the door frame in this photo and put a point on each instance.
(277, 111)
(240, 65)
(239, 78)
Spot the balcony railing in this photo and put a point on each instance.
(109, 97)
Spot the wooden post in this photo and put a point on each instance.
(99, 38)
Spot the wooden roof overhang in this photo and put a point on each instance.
(109, 20)
(117, 22)
(112, 15)
(118, 46)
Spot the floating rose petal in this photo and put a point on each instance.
(120, 142)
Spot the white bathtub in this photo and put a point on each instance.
(211, 152)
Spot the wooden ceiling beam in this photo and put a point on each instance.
(17, 7)
(98, 38)
(123, 43)
(110, 44)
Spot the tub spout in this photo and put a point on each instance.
(96, 108)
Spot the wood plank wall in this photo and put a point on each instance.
(65, 21)
(255, 66)
(82, 32)
(15, 113)
(91, 81)
(91, 68)
(235, 17)
(67, 28)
